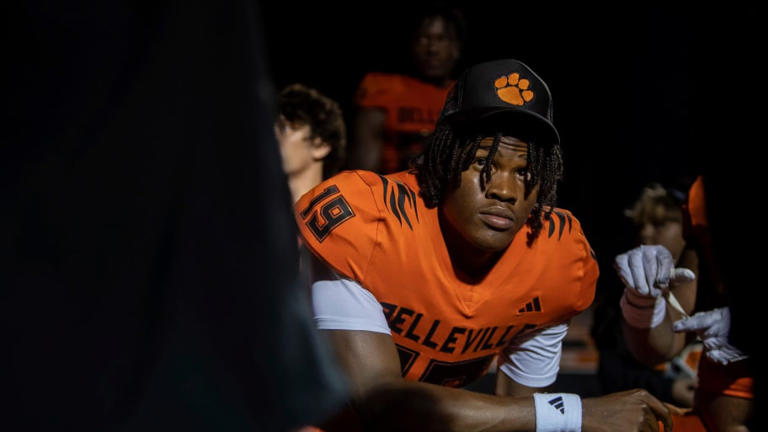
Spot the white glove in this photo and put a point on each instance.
(645, 271)
(712, 327)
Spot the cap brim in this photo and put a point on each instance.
(512, 120)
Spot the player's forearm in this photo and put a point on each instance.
(652, 286)
(657, 344)
(404, 405)
(724, 413)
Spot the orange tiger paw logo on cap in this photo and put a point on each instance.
(513, 90)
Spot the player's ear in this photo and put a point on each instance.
(320, 149)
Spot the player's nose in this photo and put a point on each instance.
(647, 234)
(503, 186)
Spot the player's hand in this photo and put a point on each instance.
(683, 390)
(712, 328)
(632, 410)
(647, 270)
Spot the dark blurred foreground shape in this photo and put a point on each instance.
(148, 256)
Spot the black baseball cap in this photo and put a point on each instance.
(502, 95)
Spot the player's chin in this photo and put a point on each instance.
(493, 240)
(434, 71)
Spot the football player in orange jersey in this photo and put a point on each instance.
(424, 277)
(396, 112)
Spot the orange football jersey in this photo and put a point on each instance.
(376, 230)
(696, 205)
(412, 106)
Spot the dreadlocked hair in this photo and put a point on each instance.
(448, 153)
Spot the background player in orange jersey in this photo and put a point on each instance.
(428, 275)
(396, 112)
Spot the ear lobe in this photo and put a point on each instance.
(320, 149)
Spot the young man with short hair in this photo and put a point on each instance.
(312, 137)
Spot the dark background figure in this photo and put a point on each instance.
(395, 112)
(149, 260)
(728, 131)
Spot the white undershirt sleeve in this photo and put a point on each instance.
(342, 304)
(536, 361)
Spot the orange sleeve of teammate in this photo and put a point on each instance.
(734, 379)
(588, 267)
(695, 216)
(697, 208)
(375, 91)
(338, 220)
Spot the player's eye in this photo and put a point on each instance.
(524, 173)
(480, 162)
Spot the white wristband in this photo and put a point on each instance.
(557, 412)
(642, 312)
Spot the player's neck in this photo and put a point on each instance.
(439, 82)
(470, 264)
(300, 183)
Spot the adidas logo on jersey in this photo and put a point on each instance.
(558, 404)
(532, 306)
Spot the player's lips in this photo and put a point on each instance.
(498, 218)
